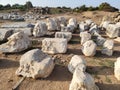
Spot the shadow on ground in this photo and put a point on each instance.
(60, 73)
(116, 53)
(100, 70)
(108, 86)
(5, 64)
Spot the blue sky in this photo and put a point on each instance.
(68, 3)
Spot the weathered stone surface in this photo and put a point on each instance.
(109, 44)
(66, 35)
(105, 24)
(113, 30)
(100, 40)
(68, 28)
(88, 22)
(82, 80)
(106, 51)
(15, 25)
(17, 18)
(16, 43)
(75, 61)
(117, 19)
(19, 26)
(85, 36)
(73, 22)
(118, 23)
(83, 27)
(71, 26)
(27, 31)
(94, 30)
(35, 64)
(51, 24)
(40, 29)
(108, 47)
(117, 39)
(92, 24)
(62, 20)
(117, 68)
(5, 33)
(89, 48)
(58, 22)
(54, 45)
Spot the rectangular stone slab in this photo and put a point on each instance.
(65, 35)
(54, 45)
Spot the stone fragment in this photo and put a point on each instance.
(89, 48)
(35, 64)
(66, 35)
(54, 45)
(16, 43)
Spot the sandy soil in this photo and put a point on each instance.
(100, 66)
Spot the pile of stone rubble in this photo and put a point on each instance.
(37, 63)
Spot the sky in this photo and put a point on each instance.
(67, 3)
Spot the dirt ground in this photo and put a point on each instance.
(101, 67)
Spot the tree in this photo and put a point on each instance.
(15, 6)
(8, 6)
(22, 8)
(83, 8)
(91, 8)
(28, 5)
(1, 7)
(107, 7)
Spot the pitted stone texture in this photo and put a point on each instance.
(35, 64)
(68, 28)
(82, 80)
(89, 48)
(94, 30)
(16, 43)
(83, 27)
(54, 45)
(73, 22)
(62, 20)
(58, 22)
(108, 47)
(88, 22)
(5, 33)
(75, 61)
(40, 29)
(51, 24)
(113, 30)
(16, 25)
(100, 40)
(65, 35)
(85, 36)
(104, 24)
(27, 31)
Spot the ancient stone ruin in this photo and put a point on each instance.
(16, 43)
(40, 29)
(35, 64)
(54, 45)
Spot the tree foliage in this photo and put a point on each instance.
(107, 7)
(102, 7)
(1, 7)
(8, 6)
(28, 5)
